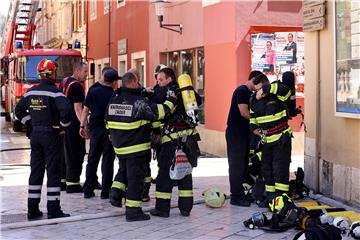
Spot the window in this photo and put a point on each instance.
(93, 9)
(192, 62)
(106, 6)
(120, 3)
(347, 45)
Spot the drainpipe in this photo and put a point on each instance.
(109, 33)
(318, 117)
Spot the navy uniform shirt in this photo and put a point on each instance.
(97, 101)
(237, 124)
(76, 94)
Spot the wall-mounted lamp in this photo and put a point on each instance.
(159, 9)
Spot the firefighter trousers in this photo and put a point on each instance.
(99, 145)
(238, 159)
(147, 180)
(45, 155)
(164, 184)
(74, 154)
(276, 158)
(129, 182)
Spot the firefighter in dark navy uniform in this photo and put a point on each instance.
(47, 111)
(178, 131)
(129, 116)
(269, 120)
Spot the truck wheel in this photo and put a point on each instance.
(17, 126)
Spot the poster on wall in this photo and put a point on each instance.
(347, 72)
(278, 52)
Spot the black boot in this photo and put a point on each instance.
(135, 214)
(59, 214)
(98, 186)
(74, 189)
(158, 213)
(185, 213)
(34, 214)
(116, 197)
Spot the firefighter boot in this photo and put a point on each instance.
(135, 214)
(116, 196)
(158, 213)
(267, 200)
(58, 214)
(34, 214)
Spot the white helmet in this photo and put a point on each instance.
(342, 223)
(214, 197)
(355, 230)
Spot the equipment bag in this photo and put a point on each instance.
(180, 167)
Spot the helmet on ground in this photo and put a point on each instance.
(214, 197)
(158, 68)
(341, 222)
(46, 67)
(355, 230)
(277, 203)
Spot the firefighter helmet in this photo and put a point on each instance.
(341, 222)
(277, 203)
(214, 197)
(158, 68)
(46, 67)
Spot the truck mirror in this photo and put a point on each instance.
(92, 69)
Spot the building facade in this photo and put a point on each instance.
(332, 142)
(214, 47)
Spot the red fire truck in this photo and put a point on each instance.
(20, 58)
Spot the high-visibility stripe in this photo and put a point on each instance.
(275, 137)
(34, 195)
(148, 179)
(46, 63)
(126, 125)
(156, 124)
(118, 185)
(253, 121)
(53, 198)
(132, 149)
(175, 135)
(25, 119)
(34, 187)
(269, 188)
(163, 195)
(132, 203)
(270, 118)
(53, 189)
(72, 183)
(185, 193)
(63, 180)
(170, 105)
(44, 93)
(273, 88)
(284, 98)
(259, 155)
(282, 187)
(65, 124)
(161, 111)
(252, 151)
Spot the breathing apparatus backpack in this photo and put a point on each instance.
(297, 188)
(320, 232)
(188, 96)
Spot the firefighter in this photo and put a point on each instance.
(129, 117)
(178, 131)
(269, 120)
(74, 144)
(48, 112)
(96, 101)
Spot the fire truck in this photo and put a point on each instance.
(19, 57)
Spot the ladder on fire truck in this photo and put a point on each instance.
(20, 25)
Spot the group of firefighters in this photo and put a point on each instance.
(127, 122)
(131, 121)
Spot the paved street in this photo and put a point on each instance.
(97, 219)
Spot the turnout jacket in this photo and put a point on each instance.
(129, 116)
(44, 106)
(270, 113)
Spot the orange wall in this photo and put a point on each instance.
(130, 21)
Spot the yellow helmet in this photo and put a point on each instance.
(214, 197)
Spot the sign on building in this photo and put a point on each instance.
(314, 15)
